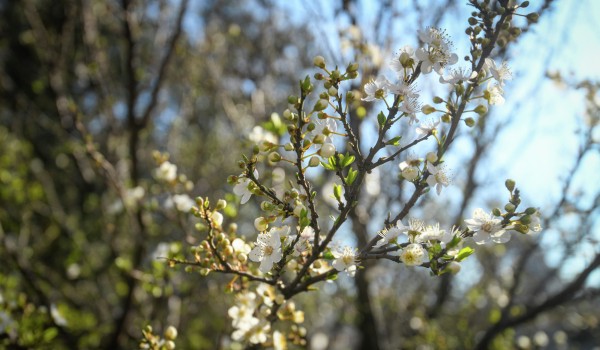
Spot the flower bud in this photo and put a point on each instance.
(525, 219)
(260, 224)
(171, 333)
(521, 228)
(438, 99)
(170, 345)
(321, 105)
(453, 267)
(427, 109)
(217, 218)
(352, 67)
(533, 17)
(242, 258)
(410, 173)
(431, 157)
(510, 184)
(292, 99)
(509, 207)
(274, 157)
(319, 139)
(298, 210)
(470, 122)
(496, 212)
(314, 161)
(332, 91)
(319, 61)
(288, 147)
(446, 118)
(481, 110)
(530, 211)
(319, 76)
(327, 150)
(472, 21)
(221, 204)
(524, 4)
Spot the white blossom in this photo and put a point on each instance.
(493, 94)
(457, 76)
(413, 255)
(268, 248)
(410, 107)
(437, 53)
(167, 172)
(404, 59)
(427, 128)
(438, 177)
(377, 89)
(500, 73)
(487, 228)
(345, 260)
(242, 188)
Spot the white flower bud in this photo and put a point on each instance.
(171, 333)
(261, 224)
(314, 161)
(410, 173)
(327, 150)
(431, 157)
(217, 218)
(319, 61)
(453, 267)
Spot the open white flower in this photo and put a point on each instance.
(434, 233)
(493, 94)
(426, 128)
(404, 59)
(413, 255)
(167, 171)
(268, 249)
(500, 73)
(243, 310)
(410, 167)
(345, 260)
(487, 228)
(411, 107)
(437, 53)
(242, 188)
(253, 330)
(377, 89)
(438, 177)
(457, 76)
(390, 235)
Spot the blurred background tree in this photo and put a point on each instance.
(88, 89)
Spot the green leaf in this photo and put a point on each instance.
(395, 141)
(348, 159)
(351, 176)
(328, 255)
(381, 119)
(337, 192)
(464, 253)
(454, 242)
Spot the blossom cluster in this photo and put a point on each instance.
(292, 248)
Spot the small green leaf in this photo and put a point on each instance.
(351, 176)
(381, 119)
(395, 141)
(348, 159)
(337, 192)
(454, 242)
(464, 253)
(328, 255)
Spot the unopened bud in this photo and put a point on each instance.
(332, 91)
(431, 157)
(524, 4)
(171, 333)
(260, 224)
(481, 109)
(427, 109)
(274, 157)
(496, 212)
(509, 207)
(510, 184)
(438, 99)
(470, 122)
(530, 211)
(327, 150)
(525, 219)
(321, 105)
(319, 61)
(288, 147)
(221, 204)
(292, 99)
(533, 17)
(446, 118)
(352, 67)
(314, 161)
(453, 267)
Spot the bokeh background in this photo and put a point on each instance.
(90, 88)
